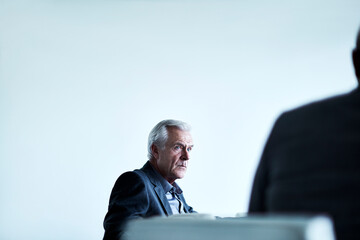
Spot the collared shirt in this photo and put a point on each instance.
(176, 205)
(172, 192)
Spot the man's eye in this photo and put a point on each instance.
(189, 149)
(177, 147)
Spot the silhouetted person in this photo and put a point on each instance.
(311, 162)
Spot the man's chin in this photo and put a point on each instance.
(180, 173)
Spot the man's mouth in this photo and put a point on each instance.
(183, 165)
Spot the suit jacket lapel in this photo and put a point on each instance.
(163, 200)
(183, 201)
(149, 171)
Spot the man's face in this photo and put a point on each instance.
(172, 160)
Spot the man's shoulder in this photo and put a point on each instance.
(136, 174)
(128, 179)
(320, 107)
(131, 178)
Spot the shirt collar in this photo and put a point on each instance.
(177, 188)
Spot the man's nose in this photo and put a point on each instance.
(185, 154)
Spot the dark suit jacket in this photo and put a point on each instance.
(136, 194)
(311, 163)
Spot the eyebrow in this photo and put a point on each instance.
(181, 144)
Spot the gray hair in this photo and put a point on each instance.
(159, 134)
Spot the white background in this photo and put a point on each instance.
(83, 82)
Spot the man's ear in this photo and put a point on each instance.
(155, 151)
(356, 61)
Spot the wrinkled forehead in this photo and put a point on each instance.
(178, 135)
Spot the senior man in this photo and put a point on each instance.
(152, 190)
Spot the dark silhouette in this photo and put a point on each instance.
(311, 162)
